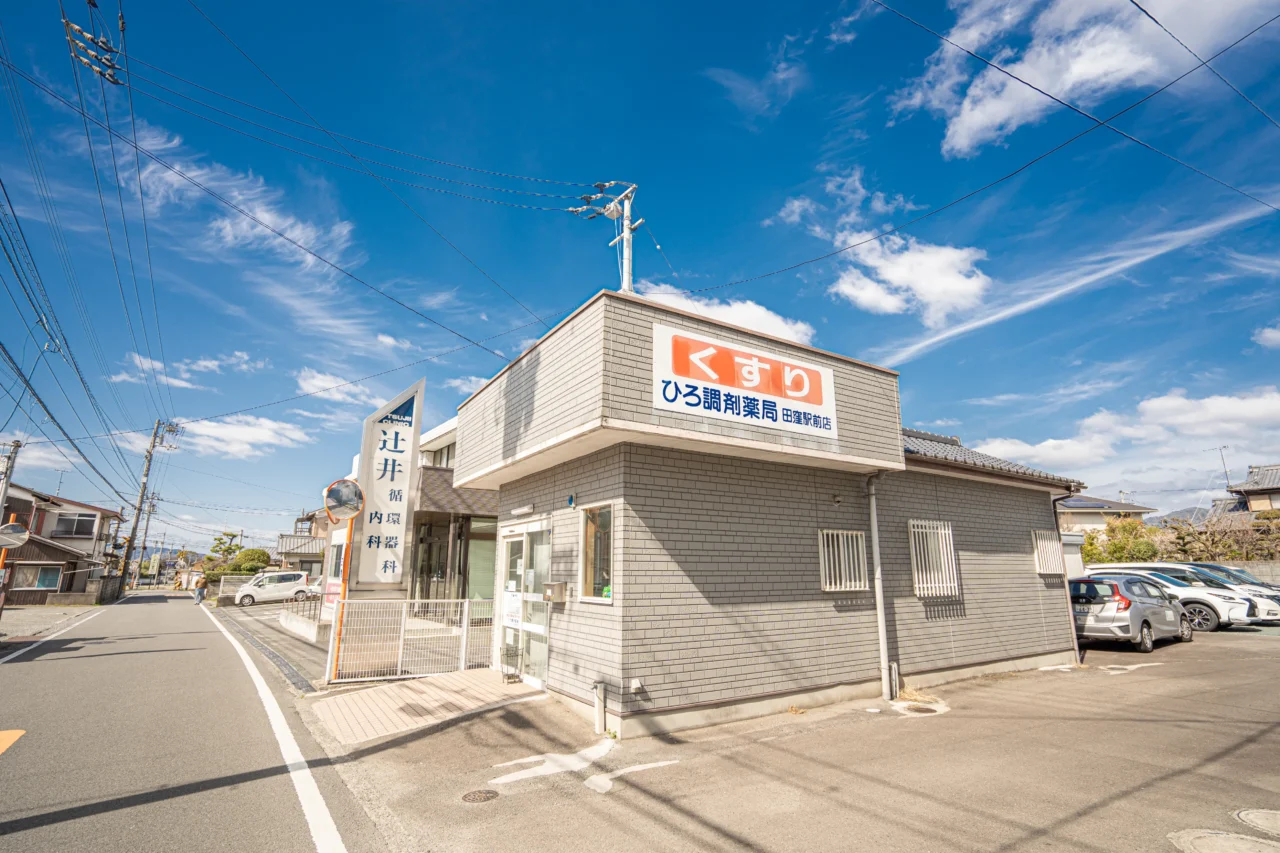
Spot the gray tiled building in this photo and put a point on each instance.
(686, 534)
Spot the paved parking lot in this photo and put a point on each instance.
(1115, 756)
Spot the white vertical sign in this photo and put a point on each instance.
(383, 535)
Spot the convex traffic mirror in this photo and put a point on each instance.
(343, 500)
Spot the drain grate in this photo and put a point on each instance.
(482, 796)
(921, 709)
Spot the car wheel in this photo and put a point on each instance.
(1203, 617)
(247, 601)
(1186, 633)
(1146, 640)
(300, 595)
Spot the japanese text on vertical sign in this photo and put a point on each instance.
(385, 538)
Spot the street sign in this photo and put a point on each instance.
(13, 535)
(383, 531)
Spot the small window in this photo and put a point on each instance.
(934, 569)
(335, 561)
(597, 553)
(443, 458)
(37, 577)
(74, 524)
(842, 557)
(1049, 559)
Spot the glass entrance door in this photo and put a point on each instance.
(525, 616)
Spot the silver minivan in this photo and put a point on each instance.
(1129, 609)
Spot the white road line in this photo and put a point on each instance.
(324, 832)
(43, 640)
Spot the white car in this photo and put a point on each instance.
(1210, 603)
(1267, 596)
(273, 586)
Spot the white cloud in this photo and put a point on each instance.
(239, 361)
(940, 422)
(1163, 444)
(332, 420)
(792, 210)
(241, 436)
(394, 343)
(1020, 297)
(1082, 51)
(39, 455)
(842, 31)
(1268, 336)
(767, 96)
(322, 385)
(179, 373)
(1054, 398)
(465, 384)
(143, 365)
(738, 312)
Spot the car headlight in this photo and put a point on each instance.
(1225, 597)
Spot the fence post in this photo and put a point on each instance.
(331, 659)
(404, 618)
(466, 635)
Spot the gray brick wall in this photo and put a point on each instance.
(586, 638)
(722, 599)
(867, 413)
(548, 392)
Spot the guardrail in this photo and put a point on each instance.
(307, 608)
(381, 640)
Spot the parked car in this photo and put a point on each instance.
(1127, 608)
(1243, 581)
(272, 586)
(1210, 604)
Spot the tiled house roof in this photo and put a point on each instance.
(948, 449)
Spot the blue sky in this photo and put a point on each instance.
(1107, 313)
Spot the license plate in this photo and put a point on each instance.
(1082, 609)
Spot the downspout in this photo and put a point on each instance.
(882, 630)
(1066, 584)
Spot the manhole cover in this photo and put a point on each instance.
(479, 796)
(921, 709)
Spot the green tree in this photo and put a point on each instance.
(251, 556)
(1126, 540)
(224, 545)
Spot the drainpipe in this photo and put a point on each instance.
(882, 630)
(1066, 584)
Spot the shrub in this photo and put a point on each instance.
(252, 556)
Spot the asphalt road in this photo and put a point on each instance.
(145, 731)
(1114, 757)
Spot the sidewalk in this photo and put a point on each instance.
(18, 624)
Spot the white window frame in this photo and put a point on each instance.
(39, 567)
(842, 560)
(614, 517)
(77, 516)
(1050, 560)
(935, 571)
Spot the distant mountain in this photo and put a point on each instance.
(1193, 514)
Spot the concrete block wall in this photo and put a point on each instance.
(548, 392)
(868, 419)
(586, 638)
(1267, 571)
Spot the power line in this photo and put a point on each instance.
(960, 200)
(345, 136)
(97, 182)
(1153, 19)
(366, 168)
(319, 159)
(247, 510)
(1076, 109)
(233, 480)
(238, 209)
(146, 231)
(17, 369)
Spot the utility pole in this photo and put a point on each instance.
(162, 427)
(10, 461)
(146, 531)
(619, 207)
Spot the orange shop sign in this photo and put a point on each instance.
(708, 378)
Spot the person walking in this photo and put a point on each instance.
(201, 587)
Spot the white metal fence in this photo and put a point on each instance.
(230, 584)
(376, 640)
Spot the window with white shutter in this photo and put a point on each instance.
(934, 569)
(1049, 559)
(842, 556)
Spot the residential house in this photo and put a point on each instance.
(1260, 490)
(303, 549)
(1086, 514)
(72, 547)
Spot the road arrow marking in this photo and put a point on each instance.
(9, 738)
